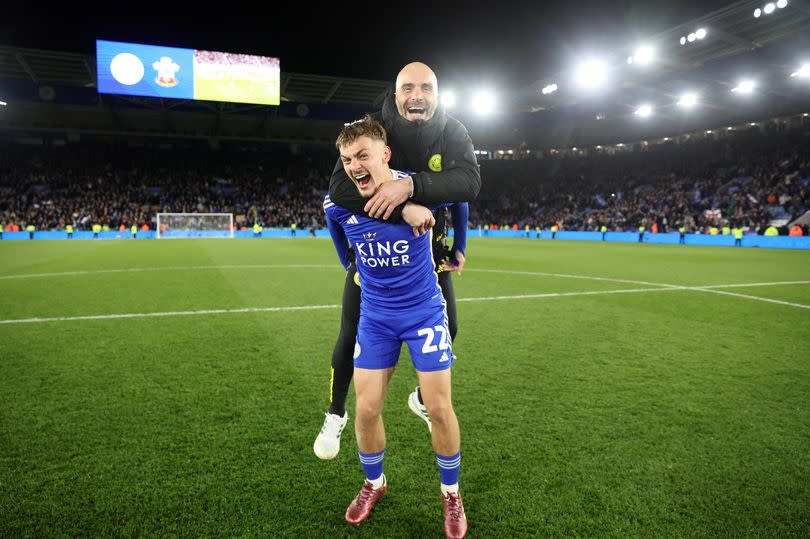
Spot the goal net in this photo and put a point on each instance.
(194, 225)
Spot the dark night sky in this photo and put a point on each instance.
(495, 42)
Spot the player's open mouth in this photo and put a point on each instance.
(364, 180)
(416, 111)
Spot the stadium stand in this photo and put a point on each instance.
(749, 179)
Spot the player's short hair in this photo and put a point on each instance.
(364, 127)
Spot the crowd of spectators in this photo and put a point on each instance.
(85, 185)
(748, 180)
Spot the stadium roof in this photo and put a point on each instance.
(730, 32)
(737, 45)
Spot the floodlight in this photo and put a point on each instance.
(744, 87)
(644, 111)
(483, 102)
(688, 99)
(591, 74)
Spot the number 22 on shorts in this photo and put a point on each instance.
(429, 335)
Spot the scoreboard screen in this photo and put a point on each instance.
(156, 71)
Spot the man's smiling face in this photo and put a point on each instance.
(416, 92)
(358, 156)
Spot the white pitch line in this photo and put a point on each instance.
(743, 285)
(758, 298)
(562, 294)
(570, 276)
(665, 286)
(299, 308)
(316, 266)
(319, 307)
(662, 286)
(169, 268)
(338, 268)
(169, 313)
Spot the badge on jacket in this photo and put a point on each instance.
(435, 162)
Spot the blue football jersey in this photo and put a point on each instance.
(396, 268)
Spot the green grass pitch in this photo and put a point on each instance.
(669, 410)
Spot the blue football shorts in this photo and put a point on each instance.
(381, 332)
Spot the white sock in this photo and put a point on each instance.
(449, 488)
(377, 483)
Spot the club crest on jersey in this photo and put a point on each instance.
(369, 236)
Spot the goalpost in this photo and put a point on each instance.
(195, 225)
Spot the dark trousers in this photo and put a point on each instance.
(343, 354)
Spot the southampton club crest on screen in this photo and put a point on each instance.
(166, 71)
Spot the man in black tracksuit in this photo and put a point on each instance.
(422, 137)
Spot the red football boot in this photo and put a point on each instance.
(455, 521)
(361, 506)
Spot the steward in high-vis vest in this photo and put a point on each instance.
(738, 234)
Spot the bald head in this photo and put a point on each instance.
(416, 92)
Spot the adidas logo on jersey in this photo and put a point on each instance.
(444, 358)
(352, 220)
